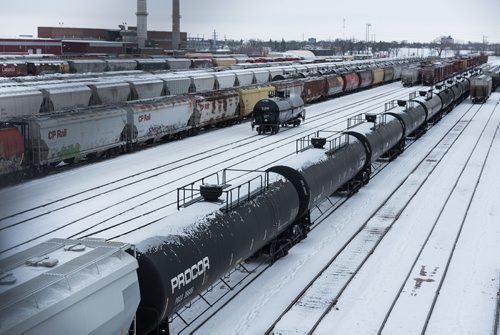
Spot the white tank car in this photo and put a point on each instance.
(69, 287)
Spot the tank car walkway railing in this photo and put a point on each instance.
(245, 192)
(334, 140)
(232, 197)
(190, 193)
(377, 119)
(496, 327)
(390, 105)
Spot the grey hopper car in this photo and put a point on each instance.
(480, 88)
(284, 109)
(86, 65)
(16, 101)
(69, 287)
(411, 76)
(121, 64)
(55, 137)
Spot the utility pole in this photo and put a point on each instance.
(215, 40)
(343, 31)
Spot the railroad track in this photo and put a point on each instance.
(190, 319)
(321, 294)
(496, 326)
(38, 212)
(181, 324)
(415, 290)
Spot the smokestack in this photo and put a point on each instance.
(142, 23)
(176, 25)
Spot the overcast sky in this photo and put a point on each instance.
(420, 20)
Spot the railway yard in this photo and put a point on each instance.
(413, 251)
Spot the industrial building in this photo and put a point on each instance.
(125, 40)
(155, 39)
(27, 45)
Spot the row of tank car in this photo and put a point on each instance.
(278, 111)
(433, 71)
(275, 217)
(272, 215)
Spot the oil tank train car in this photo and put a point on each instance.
(179, 260)
(274, 218)
(284, 109)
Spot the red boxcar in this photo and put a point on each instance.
(13, 69)
(314, 89)
(447, 70)
(433, 74)
(458, 66)
(11, 154)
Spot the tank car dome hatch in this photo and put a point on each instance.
(211, 192)
(371, 117)
(318, 142)
(401, 103)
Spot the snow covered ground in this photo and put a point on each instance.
(115, 196)
(433, 213)
(366, 301)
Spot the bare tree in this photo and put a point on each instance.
(441, 43)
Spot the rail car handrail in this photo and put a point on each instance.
(304, 143)
(338, 143)
(191, 187)
(353, 121)
(190, 193)
(235, 201)
(378, 120)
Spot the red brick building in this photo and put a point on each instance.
(25, 46)
(156, 39)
